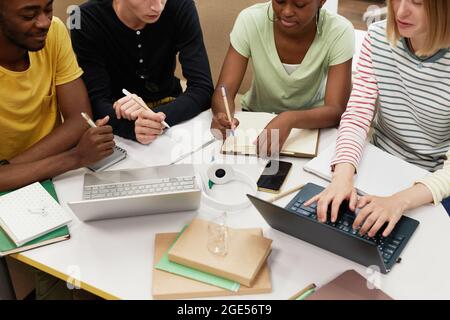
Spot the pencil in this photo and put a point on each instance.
(227, 107)
(310, 287)
(88, 120)
(286, 193)
(142, 104)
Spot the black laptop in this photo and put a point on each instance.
(339, 237)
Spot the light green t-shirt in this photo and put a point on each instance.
(273, 89)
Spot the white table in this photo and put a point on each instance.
(114, 258)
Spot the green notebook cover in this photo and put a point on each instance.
(166, 265)
(6, 244)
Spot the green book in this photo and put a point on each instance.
(166, 265)
(7, 246)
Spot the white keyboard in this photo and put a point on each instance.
(154, 186)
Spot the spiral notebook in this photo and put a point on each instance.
(118, 155)
(30, 212)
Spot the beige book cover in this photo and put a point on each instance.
(170, 286)
(245, 256)
(300, 143)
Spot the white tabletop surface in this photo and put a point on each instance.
(114, 258)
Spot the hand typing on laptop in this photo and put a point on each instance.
(377, 214)
(341, 188)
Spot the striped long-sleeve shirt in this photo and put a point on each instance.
(408, 101)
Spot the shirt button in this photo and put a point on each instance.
(420, 65)
(141, 60)
(138, 32)
(139, 45)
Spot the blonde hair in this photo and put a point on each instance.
(438, 19)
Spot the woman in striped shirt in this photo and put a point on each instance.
(404, 77)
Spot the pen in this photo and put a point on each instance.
(143, 105)
(88, 120)
(227, 108)
(281, 195)
(193, 151)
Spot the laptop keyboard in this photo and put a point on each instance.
(154, 186)
(386, 245)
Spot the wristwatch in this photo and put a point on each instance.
(4, 162)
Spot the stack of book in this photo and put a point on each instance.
(31, 217)
(185, 268)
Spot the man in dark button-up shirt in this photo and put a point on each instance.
(133, 44)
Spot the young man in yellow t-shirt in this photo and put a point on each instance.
(40, 84)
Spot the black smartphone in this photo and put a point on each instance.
(273, 176)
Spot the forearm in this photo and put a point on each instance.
(414, 197)
(410, 198)
(184, 108)
(58, 141)
(319, 117)
(343, 171)
(14, 175)
(217, 103)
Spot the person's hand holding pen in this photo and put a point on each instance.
(96, 143)
(223, 122)
(128, 107)
(149, 126)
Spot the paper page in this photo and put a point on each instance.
(379, 172)
(177, 141)
(30, 212)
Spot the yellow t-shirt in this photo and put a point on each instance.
(28, 104)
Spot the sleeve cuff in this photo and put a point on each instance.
(70, 78)
(437, 189)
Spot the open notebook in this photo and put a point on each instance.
(30, 212)
(379, 173)
(300, 143)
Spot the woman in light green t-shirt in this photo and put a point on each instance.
(301, 56)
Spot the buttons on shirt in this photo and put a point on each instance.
(141, 71)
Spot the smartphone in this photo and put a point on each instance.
(273, 176)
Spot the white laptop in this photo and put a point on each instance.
(134, 192)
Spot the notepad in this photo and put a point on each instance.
(118, 155)
(300, 143)
(30, 212)
(379, 172)
(7, 246)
